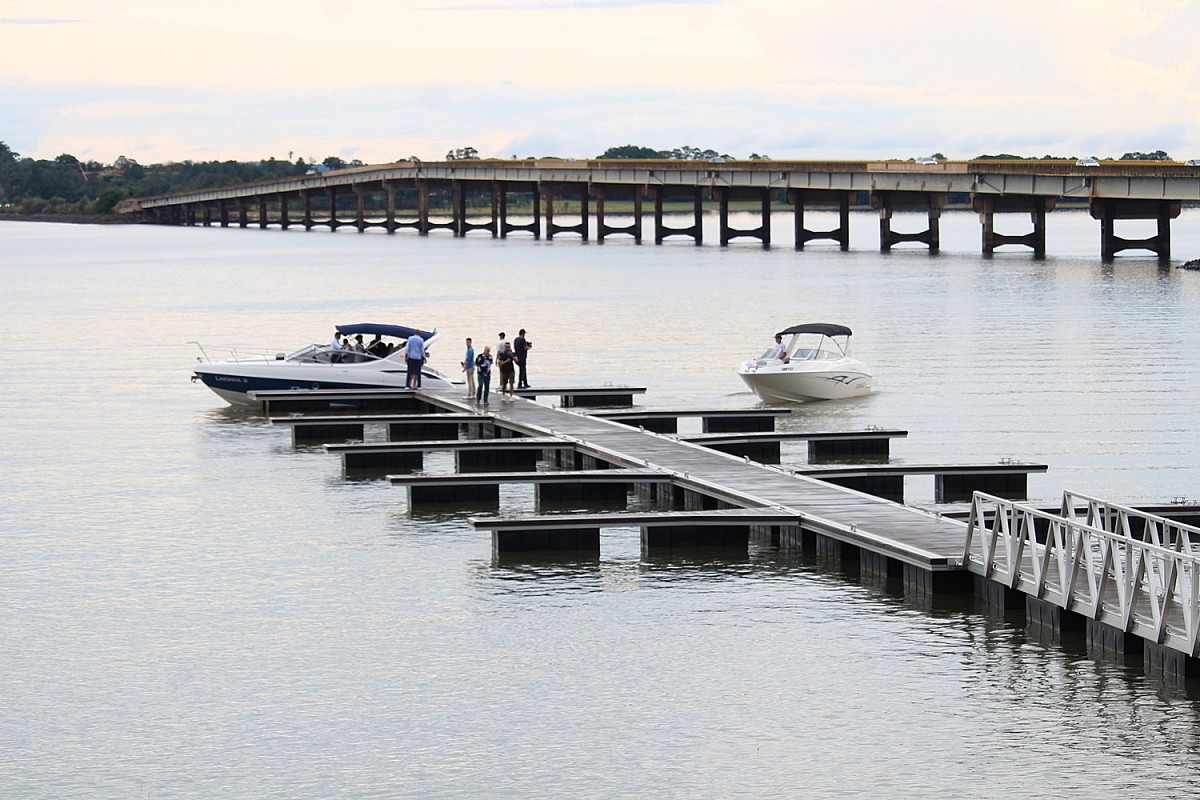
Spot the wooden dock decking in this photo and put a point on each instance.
(911, 536)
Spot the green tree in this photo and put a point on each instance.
(632, 151)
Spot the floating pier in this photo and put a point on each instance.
(1130, 578)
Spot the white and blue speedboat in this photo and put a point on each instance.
(317, 366)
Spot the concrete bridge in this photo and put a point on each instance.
(427, 196)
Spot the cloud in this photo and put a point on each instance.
(378, 80)
(12, 21)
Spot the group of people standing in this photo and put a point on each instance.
(344, 350)
(511, 359)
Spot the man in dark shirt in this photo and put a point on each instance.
(521, 347)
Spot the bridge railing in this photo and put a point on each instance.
(1149, 586)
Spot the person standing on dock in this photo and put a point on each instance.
(483, 362)
(507, 363)
(468, 365)
(415, 358)
(521, 347)
(500, 347)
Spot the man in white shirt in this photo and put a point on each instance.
(778, 350)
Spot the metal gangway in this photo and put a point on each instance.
(1134, 571)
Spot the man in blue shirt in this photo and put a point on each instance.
(415, 357)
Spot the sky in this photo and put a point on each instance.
(380, 80)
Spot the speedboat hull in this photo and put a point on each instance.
(317, 367)
(232, 380)
(787, 383)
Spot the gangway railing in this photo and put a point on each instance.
(1131, 522)
(1147, 586)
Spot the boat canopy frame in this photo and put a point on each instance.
(823, 328)
(375, 328)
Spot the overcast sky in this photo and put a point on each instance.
(378, 80)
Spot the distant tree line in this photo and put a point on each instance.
(1157, 155)
(67, 185)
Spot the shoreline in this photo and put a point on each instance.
(77, 219)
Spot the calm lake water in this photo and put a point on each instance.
(191, 608)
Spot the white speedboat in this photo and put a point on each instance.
(318, 366)
(814, 364)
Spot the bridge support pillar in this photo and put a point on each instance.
(1108, 211)
(306, 199)
(389, 194)
(550, 192)
(534, 227)
(762, 232)
(333, 220)
(262, 212)
(634, 229)
(696, 231)
(461, 226)
(887, 200)
(243, 212)
(284, 219)
(223, 209)
(206, 215)
(360, 208)
(987, 206)
(841, 234)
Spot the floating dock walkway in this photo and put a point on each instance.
(1130, 578)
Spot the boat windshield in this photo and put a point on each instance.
(815, 347)
(324, 354)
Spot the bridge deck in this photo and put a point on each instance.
(907, 534)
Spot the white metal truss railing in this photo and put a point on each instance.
(1147, 586)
